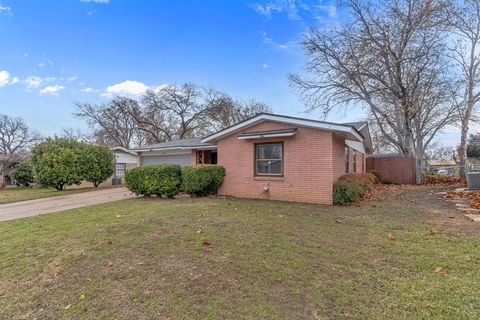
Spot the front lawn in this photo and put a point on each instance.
(10, 195)
(149, 259)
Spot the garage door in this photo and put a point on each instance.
(181, 159)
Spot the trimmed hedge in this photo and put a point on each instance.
(352, 187)
(201, 180)
(160, 180)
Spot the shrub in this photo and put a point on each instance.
(23, 173)
(160, 180)
(202, 180)
(57, 163)
(97, 163)
(352, 187)
(346, 192)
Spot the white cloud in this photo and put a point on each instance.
(4, 78)
(265, 66)
(34, 82)
(41, 64)
(126, 88)
(331, 10)
(87, 90)
(96, 1)
(266, 39)
(5, 10)
(287, 6)
(52, 90)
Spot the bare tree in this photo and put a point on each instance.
(15, 139)
(224, 111)
(173, 112)
(389, 59)
(464, 21)
(112, 123)
(437, 152)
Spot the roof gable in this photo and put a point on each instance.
(349, 131)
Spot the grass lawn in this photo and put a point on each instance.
(145, 259)
(21, 194)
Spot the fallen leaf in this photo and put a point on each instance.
(110, 242)
(67, 307)
(118, 216)
(440, 270)
(199, 230)
(109, 264)
(206, 243)
(81, 296)
(140, 263)
(338, 221)
(390, 236)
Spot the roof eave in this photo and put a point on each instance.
(345, 129)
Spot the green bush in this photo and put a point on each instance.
(200, 180)
(346, 192)
(98, 163)
(352, 187)
(57, 162)
(23, 173)
(160, 180)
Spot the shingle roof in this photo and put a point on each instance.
(357, 125)
(183, 143)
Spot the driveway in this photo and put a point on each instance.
(36, 207)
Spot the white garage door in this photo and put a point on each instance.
(181, 159)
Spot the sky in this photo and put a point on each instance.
(56, 53)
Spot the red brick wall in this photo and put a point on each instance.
(338, 157)
(312, 160)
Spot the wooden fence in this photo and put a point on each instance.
(399, 170)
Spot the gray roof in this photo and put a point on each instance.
(183, 143)
(357, 125)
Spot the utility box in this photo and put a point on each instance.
(473, 180)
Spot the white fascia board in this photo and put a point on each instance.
(268, 135)
(349, 130)
(355, 145)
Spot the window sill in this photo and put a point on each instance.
(267, 178)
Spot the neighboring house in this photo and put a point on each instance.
(124, 160)
(442, 166)
(272, 156)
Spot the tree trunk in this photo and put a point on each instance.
(462, 152)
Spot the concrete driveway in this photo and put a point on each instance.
(31, 208)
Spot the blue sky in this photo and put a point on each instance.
(56, 53)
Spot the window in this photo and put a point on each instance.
(363, 162)
(354, 161)
(120, 169)
(269, 159)
(347, 156)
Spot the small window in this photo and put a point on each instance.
(354, 161)
(363, 162)
(120, 169)
(347, 156)
(269, 159)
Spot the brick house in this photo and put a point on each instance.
(275, 157)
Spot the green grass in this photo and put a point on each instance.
(266, 260)
(10, 195)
